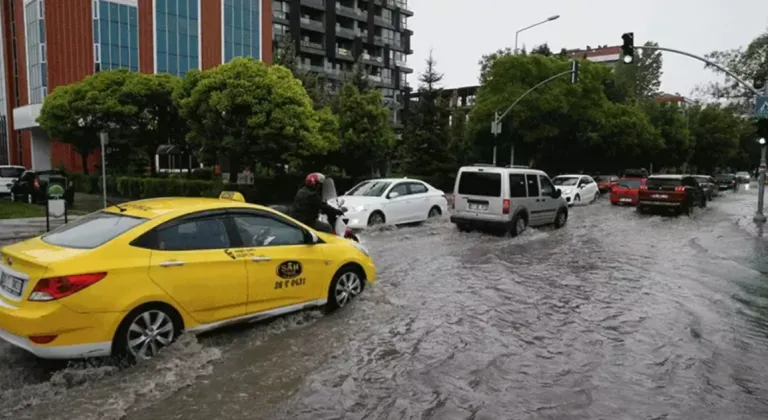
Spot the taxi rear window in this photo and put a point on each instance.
(92, 231)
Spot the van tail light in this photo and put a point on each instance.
(505, 206)
(54, 288)
(679, 189)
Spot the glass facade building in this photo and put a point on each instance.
(242, 29)
(177, 36)
(115, 36)
(37, 68)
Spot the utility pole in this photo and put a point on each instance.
(759, 215)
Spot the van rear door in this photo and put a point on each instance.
(479, 193)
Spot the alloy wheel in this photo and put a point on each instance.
(347, 287)
(149, 332)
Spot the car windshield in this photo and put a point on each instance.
(565, 180)
(629, 183)
(11, 172)
(369, 189)
(702, 179)
(725, 177)
(663, 182)
(92, 231)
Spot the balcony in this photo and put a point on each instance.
(348, 33)
(344, 53)
(312, 47)
(312, 24)
(403, 6)
(316, 4)
(383, 22)
(373, 78)
(280, 17)
(373, 60)
(334, 73)
(350, 12)
(403, 66)
(311, 68)
(377, 40)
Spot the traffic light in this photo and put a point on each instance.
(574, 72)
(628, 47)
(762, 128)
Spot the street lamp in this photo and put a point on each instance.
(549, 19)
(759, 216)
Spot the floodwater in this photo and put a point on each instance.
(616, 316)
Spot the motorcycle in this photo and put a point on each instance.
(339, 224)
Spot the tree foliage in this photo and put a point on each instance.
(643, 77)
(366, 135)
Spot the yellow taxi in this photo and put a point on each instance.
(129, 279)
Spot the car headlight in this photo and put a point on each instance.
(358, 209)
(361, 248)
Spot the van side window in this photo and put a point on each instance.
(546, 186)
(533, 185)
(517, 186)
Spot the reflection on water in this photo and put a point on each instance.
(616, 316)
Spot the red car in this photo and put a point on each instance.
(626, 191)
(606, 182)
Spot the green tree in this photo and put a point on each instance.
(425, 146)
(75, 114)
(359, 76)
(643, 76)
(716, 132)
(315, 85)
(672, 123)
(366, 135)
(251, 112)
(542, 49)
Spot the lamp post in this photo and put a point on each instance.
(759, 216)
(549, 19)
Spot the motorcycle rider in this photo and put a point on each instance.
(308, 204)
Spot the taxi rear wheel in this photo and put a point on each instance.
(346, 285)
(146, 330)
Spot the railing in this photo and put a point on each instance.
(313, 23)
(280, 15)
(374, 78)
(310, 44)
(343, 51)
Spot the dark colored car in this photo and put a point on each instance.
(677, 193)
(32, 186)
(725, 181)
(709, 185)
(606, 182)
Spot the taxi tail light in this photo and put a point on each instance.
(42, 339)
(54, 288)
(505, 206)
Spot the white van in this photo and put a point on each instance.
(508, 199)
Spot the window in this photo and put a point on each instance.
(533, 185)
(517, 186)
(401, 190)
(258, 230)
(36, 59)
(566, 181)
(418, 188)
(386, 75)
(485, 184)
(115, 32)
(369, 189)
(92, 231)
(546, 186)
(196, 234)
(11, 172)
(242, 29)
(177, 49)
(386, 15)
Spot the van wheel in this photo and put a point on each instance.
(561, 218)
(519, 224)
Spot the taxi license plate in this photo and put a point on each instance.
(660, 196)
(626, 200)
(11, 284)
(475, 206)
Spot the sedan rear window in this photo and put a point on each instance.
(629, 183)
(92, 231)
(483, 184)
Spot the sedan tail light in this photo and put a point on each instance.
(679, 189)
(54, 288)
(643, 187)
(506, 204)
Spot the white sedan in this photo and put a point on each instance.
(577, 189)
(393, 201)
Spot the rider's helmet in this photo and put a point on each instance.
(314, 180)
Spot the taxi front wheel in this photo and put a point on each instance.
(346, 285)
(145, 331)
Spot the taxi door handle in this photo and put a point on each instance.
(260, 259)
(172, 263)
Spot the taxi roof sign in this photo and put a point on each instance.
(231, 195)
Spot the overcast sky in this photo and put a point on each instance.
(460, 31)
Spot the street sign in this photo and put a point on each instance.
(761, 107)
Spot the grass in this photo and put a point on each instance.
(11, 210)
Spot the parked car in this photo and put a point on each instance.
(506, 199)
(677, 193)
(606, 182)
(725, 181)
(8, 175)
(577, 189)
(393, 201)
(129, 279)
(626, 191)
(743, 177)
(32, 186)
(709, 185)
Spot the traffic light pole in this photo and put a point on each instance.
(496, 123)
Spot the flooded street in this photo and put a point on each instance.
(616, 316)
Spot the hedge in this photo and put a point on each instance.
(265, 190)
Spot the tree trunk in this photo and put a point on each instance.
(84, 157)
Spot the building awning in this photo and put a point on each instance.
(26, 116)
